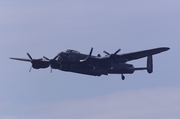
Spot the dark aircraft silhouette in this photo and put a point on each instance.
(74, 61)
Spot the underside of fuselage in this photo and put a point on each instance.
(95, 71)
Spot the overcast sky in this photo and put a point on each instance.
(45, 28)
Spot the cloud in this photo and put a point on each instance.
(147, 103)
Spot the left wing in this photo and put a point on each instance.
(21, 59)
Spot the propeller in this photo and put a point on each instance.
(37, 63)
(31, 61)
(111, 55)
(52, 62)
(90, 53)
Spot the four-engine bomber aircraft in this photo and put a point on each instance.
(74, 61)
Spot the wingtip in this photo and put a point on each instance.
(166, 48)
(20, 59)
(11, 58)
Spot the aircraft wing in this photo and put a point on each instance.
(140, 54)
(21, 59)
(122, 58)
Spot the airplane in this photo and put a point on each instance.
(88, 64)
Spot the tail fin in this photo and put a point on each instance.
(150, 64)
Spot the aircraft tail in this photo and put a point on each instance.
(150, 64)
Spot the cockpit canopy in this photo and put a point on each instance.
(72, 51)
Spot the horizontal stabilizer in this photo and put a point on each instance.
(143, 68)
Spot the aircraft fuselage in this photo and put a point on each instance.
(70, 62)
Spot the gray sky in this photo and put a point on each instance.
(49, 27)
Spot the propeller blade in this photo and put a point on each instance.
(55, 57)
(87, 56)
(106, 53)
(112, 54)
(30, 69)
(51, 69)
(29, 56)
(117, 51)
(51, 59)
(91, 52)
(46, 58)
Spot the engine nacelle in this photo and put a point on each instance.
(37, 64)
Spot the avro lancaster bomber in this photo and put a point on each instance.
(74, 61)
